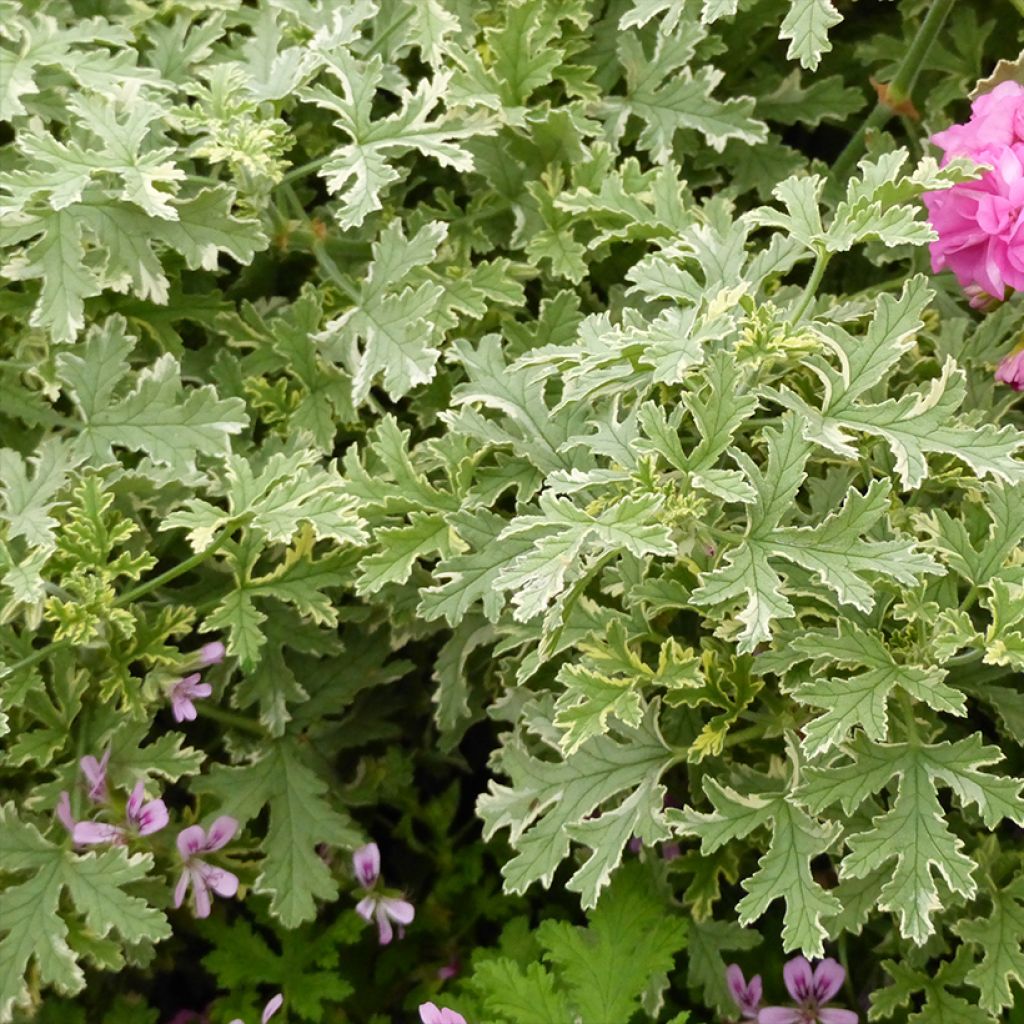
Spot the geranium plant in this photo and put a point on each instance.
(559, 458)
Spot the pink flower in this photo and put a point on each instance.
(376, 905)
(432, 1014)
(997, 119)
(141, 819)
(268, 1011)
(746, 996)
(183, 693)
(366, 864)
(205, 877)
(386, 909)
(210, 654)
(1011, 370)
(810, 989)
(95, 773)
(981, 227)
(449, 970)
(63, 812)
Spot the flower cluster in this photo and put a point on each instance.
(810, 988)
(141, 818)
(190, 688)
(979, 223)
(377, 905)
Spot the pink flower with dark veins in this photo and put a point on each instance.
(184, 692)
(747, 996)
(375, 905)
(141, 819)
(810, 989)
(203, 877)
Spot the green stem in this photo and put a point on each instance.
(179, 570)
(898, 89)
(303, 169)
(821, 262)
(232, 718)
(970, 598)
(737, 736)
(323, 257)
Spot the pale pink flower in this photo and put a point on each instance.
(95, 773)
(811, 989)
(366, 865)
(141, 819)
(747, 996)
(1011, 370)
(376, 906)
(449, 970)
(204, 877)
(385, 909)
(433, 1014)
(63, 811)
(268, 1011)
(209, 654)
(184, 692)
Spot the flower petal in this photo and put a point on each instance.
(181, 888)
(779, 1015)
(272, 1007)
(828, 979)
(366, 906)
(211, 654)
(831, 1015)
(366, 864)
(221, 881)
(430, 1013)
(63, 812)
(135, 803)
(798, 977)
(201, 895)
(401, 911)
(190, 841)
(222, 831)
(152, 817)
(385, 933)
(90, 832)
(737, 983)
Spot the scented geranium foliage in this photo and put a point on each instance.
(508, 508)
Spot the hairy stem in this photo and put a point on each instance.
(898, 89)
(230, 718)
(817, 273)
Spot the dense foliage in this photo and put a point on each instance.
(527, 435)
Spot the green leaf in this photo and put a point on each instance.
(630, 918)
(806, 27)
(914, 832)
(301, 818)
(520, 995)
(276, 500)
(549, 803)
(1001, 937)
(360, 170)
(29, 500)
(33, 926)
(784, 872)
(157, 416)
(564, 536)
(399, 324)
(862, 699)
(667, 96)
